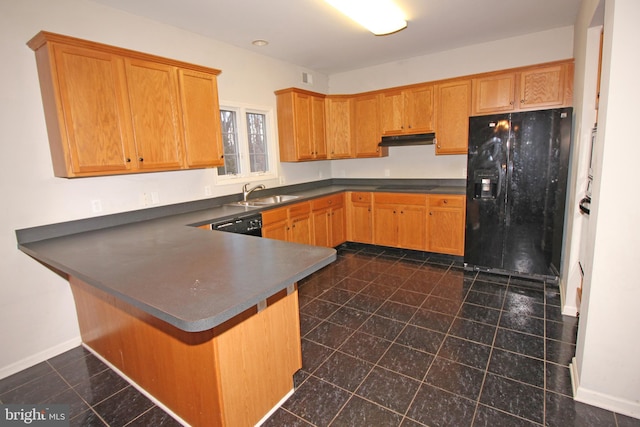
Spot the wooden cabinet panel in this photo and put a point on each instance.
(111, 110)
(542, 87)
(446, 224)
(202, 135)
(318, 128)
(301, 125)
(392, 112)
(385, 228)
(300, 229)
(366, 132)
(412, 227)
(408, 110)
(153, 99)
(452, 126)
(359, 218)
(328, 216)
(338, 127)
(338, 226)
(289, 223)
(400, 220)
(494, 93)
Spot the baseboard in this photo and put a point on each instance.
(591, 397)
(567, 310)
(39, 357)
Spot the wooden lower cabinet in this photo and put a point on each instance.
(289, 223)
(359, 217)
(400, 220)
(446, 224)
(328, 215)
(231, 375)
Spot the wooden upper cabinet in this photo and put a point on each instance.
(366, 126)
(301, 125)
(202, 136)
(338, 126)
(111, 110)
(528, 88)
(453, 107)
(407, 110)
(153, 99)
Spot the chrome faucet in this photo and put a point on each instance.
(246, 191)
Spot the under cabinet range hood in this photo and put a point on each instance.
(404, 140)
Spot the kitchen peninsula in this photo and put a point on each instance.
(206, 322)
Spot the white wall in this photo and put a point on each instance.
(606, 368)
(36, 308)
(420, 161)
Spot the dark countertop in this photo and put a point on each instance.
(192, 278)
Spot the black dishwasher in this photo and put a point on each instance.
(251, 225)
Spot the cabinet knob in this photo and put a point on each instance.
(430, 213)
(222, 156)
(522, 101)
(128, 160)
(445, 201)
(141, 159)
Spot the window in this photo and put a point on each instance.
(247, 143)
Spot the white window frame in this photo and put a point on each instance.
(241, 111)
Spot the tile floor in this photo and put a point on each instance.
(390, 338)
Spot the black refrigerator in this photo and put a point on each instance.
(516, 192)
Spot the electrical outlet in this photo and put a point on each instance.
(387, 172)
(96, 206)
(155, 198)
(207, 190)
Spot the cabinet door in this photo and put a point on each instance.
(392, 112)
(302, 116)
(153, 99)
(318, 128)
(494, 94)
(275, 230)
(385, 229)
(338, 227)
(94, 126)
(419, 110)
(446, 224)
(366, 132)
(338, 119)
(452, 132)
(359, 218)
(200, 119)
(300, 229)
(542, 87)
(412, 227)
(322, 227)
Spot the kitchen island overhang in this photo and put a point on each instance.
(206, 322)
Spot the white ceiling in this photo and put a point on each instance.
(311, 34)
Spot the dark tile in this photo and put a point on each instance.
(87, 419)
(421, 339)
(494, 278)
(337, 296)
(282, 417)
(420, 282)
(625, 421)
(69, 356)
(531, 294)
(526, 282)
(404, 296)
(351, 284)
(406, 361)
(390, 281)
(69, 397)
(490, 417)
(40, 390)
(566, 331)
(382, 327)
(311, 289)
(21, 378)
(552, 297)
(313, 355)
(408, 422)
(514, 397)
(442, 305)
(558, 379)
(438, 408)
(389, 389)
(520, 323)
(361, 412)
(523, 305)
(154, 417)
(101, 386)
(553, 313)
(430, 319)
(365, 303)
(379, 291)
(474, 331)
(402, 269)
(454, 377)
(123, 406)
(317, 401)
(349, 317)
(319, 308)
(307, 323)
(518, 342)
(489, 287)
(485, 300)
(465, 352)
(448, 290)
(344, 371)
(479, 314)
(365, 347)
(559, 352)
(81, 369)
(364, 273)
(517, 367)
(563, 411)
(396, 311)
(329, 334)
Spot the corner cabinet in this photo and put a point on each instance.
(113, 111)
(366, 132)
(301, 125)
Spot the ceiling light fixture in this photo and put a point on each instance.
(259, 42)
(381, 17)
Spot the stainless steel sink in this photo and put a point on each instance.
(265, 201)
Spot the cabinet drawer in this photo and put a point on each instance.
(446, 201)
(328, 202)
(274, 215)
(299, 209)
(400, 199)
(361, 197)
